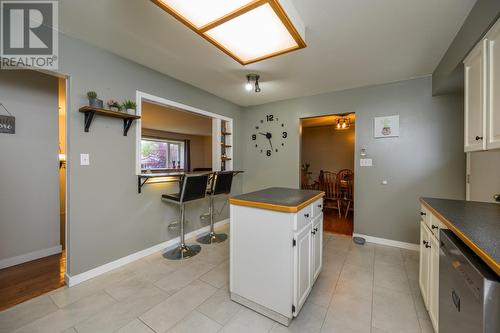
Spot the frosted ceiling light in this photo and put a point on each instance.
(246, 30)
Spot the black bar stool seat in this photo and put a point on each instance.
(221, 184)
(193, 187)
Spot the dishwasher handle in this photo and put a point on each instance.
(456, 299)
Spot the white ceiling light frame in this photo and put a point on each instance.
(246, 30)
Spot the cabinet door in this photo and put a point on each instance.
(317, 247)
(434, 283)
(302, 267)
(493, 126)
(423, 274)
(475, 106)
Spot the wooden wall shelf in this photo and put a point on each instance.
(90, 112)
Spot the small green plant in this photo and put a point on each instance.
(128, 104)
(92, 95)
(114, 104)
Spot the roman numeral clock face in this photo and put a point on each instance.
(269, 135)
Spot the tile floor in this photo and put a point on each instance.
(367, 288)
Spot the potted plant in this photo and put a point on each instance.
(114, 105)
(93, 100)
(129, 106)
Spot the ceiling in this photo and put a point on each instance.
(326, 120)
(349, 44)
(161, 118)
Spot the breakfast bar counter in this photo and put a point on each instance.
(275, 249)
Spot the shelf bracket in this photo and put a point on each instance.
(141, 183)
(89, 116)
(126, 125)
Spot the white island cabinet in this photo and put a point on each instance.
(275, 249)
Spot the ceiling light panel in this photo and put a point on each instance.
(202, 12)
(246, 30)
(255, 34)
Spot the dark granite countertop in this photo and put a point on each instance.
(277, 198)
(476, 223)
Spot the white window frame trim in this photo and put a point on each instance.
(180, 143)
(216, 125)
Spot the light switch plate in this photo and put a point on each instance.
(365, 162)
(84, 159)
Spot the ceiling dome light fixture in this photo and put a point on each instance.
(253, 78)
(230, 25)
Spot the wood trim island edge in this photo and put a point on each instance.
(279, 208)
(492, 263)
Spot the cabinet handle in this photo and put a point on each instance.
(422, 214)
(427, 246)
(425, 242)
(434, 226)
(479, 138)
(320, 206)
(306, 215)
(313, 232)
(316, 229)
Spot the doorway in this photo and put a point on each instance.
(33, 237)
(327, 164)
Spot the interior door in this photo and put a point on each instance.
(475, 106)
(317, 247)
(493, 128)
(423, 276)
(302, 267)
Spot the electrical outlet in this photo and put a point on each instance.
(84, 159)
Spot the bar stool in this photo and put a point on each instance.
(193, 187)
(221, 184)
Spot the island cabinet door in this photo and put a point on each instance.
(302, 267)
(317, 246)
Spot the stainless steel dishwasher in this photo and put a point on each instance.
(469, 291)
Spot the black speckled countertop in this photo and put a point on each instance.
(277, 198)
(476, 223)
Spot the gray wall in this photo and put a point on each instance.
(448, 75)
(426, 160)
(108, 219)
(29, 165)
(326, 148)
(484, 177)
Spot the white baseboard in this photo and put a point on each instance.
(388, 242)
(79, 278)
(8, 262)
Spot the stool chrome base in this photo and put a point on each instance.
(182, 251)
(212, 238)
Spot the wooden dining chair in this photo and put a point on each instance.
(345, 178)
(328, 184)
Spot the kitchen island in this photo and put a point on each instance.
(275, 249)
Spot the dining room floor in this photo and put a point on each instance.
(336, 224)
(368, 288)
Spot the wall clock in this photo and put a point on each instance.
(269, 135)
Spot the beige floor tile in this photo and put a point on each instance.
(220, 307)
(392, 277)
(65, 296)
(183, 276)
(152, 268)
(360, 258)
(121, 313)
(25, 313)
(67, 317)
(309, 320)
(196, 322)
(322, 290)
(394, 311)
(135, 326)
(248, 321)
(127, 288)
(388, 254)
(168, 313)
(348, 314)
(356, 281)
(218, 276)
(70, 330)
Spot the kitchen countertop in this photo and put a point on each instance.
(477, 224)
(278, 198)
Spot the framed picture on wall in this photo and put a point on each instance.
(386, 127)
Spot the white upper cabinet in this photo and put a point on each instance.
(493, 48)
(482, 93)
(475, 108)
